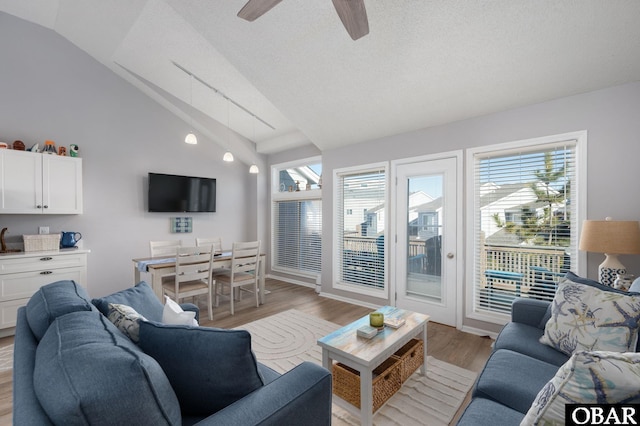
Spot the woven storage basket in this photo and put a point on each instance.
(45, 242)
(411, 358)
(386, 382)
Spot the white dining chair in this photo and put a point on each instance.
(242, 272)
(164, 248)
(215, 242)
(193, 275)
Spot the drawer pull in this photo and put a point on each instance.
(46, 272)
(46, 258)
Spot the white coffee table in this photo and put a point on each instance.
(364, 355)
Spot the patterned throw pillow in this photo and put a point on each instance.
(586, 318)
(126, 319)
(587, 378)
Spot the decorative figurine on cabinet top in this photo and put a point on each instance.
(49, 148)
(73, 150)
(62, 151)
(18, 145)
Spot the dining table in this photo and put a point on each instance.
(165, 266)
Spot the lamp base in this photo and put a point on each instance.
(609, 269)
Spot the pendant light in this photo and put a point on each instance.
(254, 169)
(228, 156)
(191, 137)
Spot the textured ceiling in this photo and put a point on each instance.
(424, 62)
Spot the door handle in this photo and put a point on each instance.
(449, 255)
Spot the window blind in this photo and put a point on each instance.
(297, 236)
(525, 223)
(361, 204)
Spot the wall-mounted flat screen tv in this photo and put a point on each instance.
(173, 193)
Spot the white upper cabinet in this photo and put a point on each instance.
(33, 183)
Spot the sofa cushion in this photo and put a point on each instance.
(586, 317)
(140, 297)
(513, 379)
(126, 319)
(525, 339)
(87, 372)
(481, 412)
(587, 378)
(208, 368)
(53, 300)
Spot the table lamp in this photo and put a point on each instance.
(611, 237)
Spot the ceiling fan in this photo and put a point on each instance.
(351, 12)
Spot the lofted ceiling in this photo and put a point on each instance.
(424, 62)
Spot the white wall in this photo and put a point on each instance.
(610, 116)
(49, 89)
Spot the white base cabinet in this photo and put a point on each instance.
(22, 274)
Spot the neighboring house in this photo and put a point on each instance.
(508, 202)
(298, 177)
(374, 218)
(425, 220)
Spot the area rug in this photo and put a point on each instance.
(284, 340)
(6, 358)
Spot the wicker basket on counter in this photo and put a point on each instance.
(42, 242)
(386, 382)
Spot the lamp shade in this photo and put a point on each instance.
(191, 139)
(610, 236)
(228, 157)
(254, 169)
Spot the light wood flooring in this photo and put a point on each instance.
(444, 343)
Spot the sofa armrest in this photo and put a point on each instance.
(529, 311)
(26, 407)
(301, 396)
(190, 307)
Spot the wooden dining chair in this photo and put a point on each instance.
(193, 275)
(242, 272)
(215, 242)
(164, 248)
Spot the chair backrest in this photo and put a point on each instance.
(164, 248)
(193, 263)
(244, 256)
(215, 242)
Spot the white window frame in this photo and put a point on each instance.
(581, 209)
(337, 283)
(277, 196)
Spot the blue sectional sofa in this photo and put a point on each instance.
(519, 366)
(72, 365)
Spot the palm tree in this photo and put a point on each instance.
(546, 194)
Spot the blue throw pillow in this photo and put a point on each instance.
(208, 368)
(54, 300)
(140, 297)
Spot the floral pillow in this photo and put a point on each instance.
(126, 319)
(587, 378)
(586, 318)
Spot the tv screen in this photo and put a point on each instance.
(172, 193)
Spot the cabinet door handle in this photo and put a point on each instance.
(46, 207)
(46, 258)
(46, 272)
(38, 206)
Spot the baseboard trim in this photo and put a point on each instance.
(348, 300)
(290, 280)
(479, 332)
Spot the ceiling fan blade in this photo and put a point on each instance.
(353, 16)
(256, 8)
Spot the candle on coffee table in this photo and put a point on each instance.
(376, 319)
